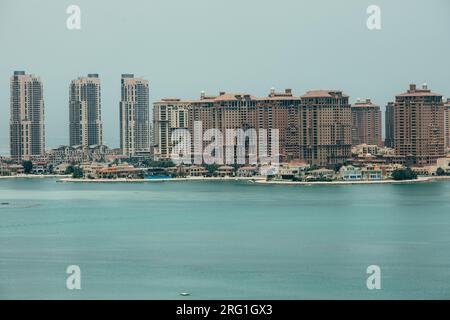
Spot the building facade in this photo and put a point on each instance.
(419, 132)
(366, 123)
(78, 154)
(134, 115)
(389, 125)
(85, 111)
(314, 128)
(168, 115)
(325, 127)
(27, 129)
(279, 110)
(447, 123)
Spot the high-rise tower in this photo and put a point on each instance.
(85, 111)
(27, 130)
(134, 115)
(419, 126)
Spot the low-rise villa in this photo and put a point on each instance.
(224, 171)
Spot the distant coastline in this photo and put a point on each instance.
(343, 182)
(256, 180)
(35, 176)
(161, 179)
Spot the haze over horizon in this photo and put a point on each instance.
(184, 47)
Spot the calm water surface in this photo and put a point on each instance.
(223, 240)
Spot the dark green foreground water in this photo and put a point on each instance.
(229, 240)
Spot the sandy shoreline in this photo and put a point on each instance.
(257, 180)
(340, 182)
(35, 176)
(119, 180)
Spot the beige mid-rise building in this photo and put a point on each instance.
(447, 123)
(134, 115)
(27, 130)
(315, 128)
(85, 111)
(279, 110)
(168, 115)
(325, 127)
(366, 123)
(419, 131)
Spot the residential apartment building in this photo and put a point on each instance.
(85, 111)
(27, 129)
(325, 127)
(366, 123)
(315, 128)
(134, 115)
(279, 110)
(447, 123)
(168, 115)
(419, 132)
(389, 125)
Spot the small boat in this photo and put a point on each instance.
(185, 294)
(4, 203)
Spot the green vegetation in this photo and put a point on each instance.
(160, 164)
(176, 174)
(319, 179)
(404, 174)
(211, 169)
(136, 162)
(27, 166)
(69, 169)
(440, 172)
(75, 171)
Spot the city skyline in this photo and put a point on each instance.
(304, 121)
(213, 61)
(319, 127)
(251, 152)
(4, 150)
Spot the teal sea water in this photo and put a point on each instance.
(223, 240)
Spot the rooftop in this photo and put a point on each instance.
(323, 94)
(223, 96)
(415, 92)
(365, 103)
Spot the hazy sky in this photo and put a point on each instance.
(185, 46)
